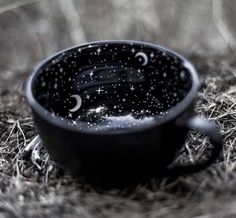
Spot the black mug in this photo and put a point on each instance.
(117, 112)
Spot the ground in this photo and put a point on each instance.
(31, 185)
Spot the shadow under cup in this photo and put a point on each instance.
(112, 87)
(110, 111)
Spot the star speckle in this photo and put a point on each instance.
(117, 90)
(99, 51)
(91, 74)
(99, 90)
(182, 75)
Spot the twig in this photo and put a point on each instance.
(16, 5)
(73, 20)
(217, 15)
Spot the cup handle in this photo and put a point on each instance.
(212, 132)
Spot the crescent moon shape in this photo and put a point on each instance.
(144, 56)
(78, 103)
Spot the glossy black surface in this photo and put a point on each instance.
(117, 112)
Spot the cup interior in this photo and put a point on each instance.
(112, 85)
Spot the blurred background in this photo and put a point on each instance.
(31, 30)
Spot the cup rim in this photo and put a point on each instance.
(173, 112)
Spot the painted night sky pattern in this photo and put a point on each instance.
(111, 86)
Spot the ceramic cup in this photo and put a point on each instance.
(118, 112)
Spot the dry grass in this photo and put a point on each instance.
(32, 186)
